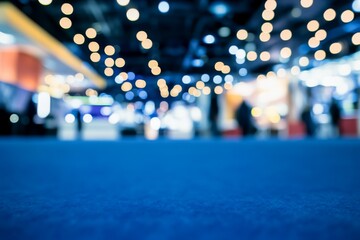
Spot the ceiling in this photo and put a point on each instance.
(178, 35)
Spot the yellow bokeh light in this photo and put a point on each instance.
(156, 71)
(206, 90)
(120, 62)
(306, 3)
(140, 83)
(265, 56)
(79, 39)
(45, 2)
(356, 38)
(200, 85)
(109, 62)
(226, 69)
(228, 86)
(153, 64)
(304, 61)
(95, 57)
(124, 76)
(174, 93)
(320, 55)
(256, 112)
(268, 15)
(347, 16)
(65, 23)
(271, 74)
(218, 90)
(219, 66)
(313, 42)
(267, 27)
(242, 34)
(313, 25)
(141, 36)
(126, 86)
(91, 33)
(161, 83)
(264, 37)
(336, 48)
(164, 94)
(132, 14)
(177, 88)
(329, 14)
(286, 35)
(321, 35)
(270, 5)
(275, 118)
(123, 2)
(109, 72)
(251, 56)
(67, 9)
(285, 52)
(94, 46)
(147, 44)
(109, 50)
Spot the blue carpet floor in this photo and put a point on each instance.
(199, 189)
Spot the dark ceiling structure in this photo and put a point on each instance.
(195, 34)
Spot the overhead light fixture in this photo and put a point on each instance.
(79, 39)
(219, 9)
(141, 36)
(329, 14)
(94, 46)
(242, 34)
(67, 9)
(95, 57)
(132, 14)
(91, 33)
(306, 3)
(123, 2)
(224, 32)
(286, 35)
(164, 7)
(347, 16)
(109, 50)
(336, 48)
(320, 55)
(45, 2)
(120, 62)
(356, 38)
(313, 25)
(198, 63)
(65, 23)
(209, 39)
(356, 5)
(147, 44)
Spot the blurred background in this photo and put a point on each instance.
(180, 69)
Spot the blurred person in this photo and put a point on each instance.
(213, 115)
(308, 120)
(79, 124)
(5, 125)
(245, 120)
(335, 114)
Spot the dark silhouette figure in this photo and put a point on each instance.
(5, 125)
(307, 119)
(213, 115)
(335, 114)
(79, 124)
(245, 120)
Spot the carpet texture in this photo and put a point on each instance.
(198, 189)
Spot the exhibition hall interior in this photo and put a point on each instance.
(179, 119)
(179, 70)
